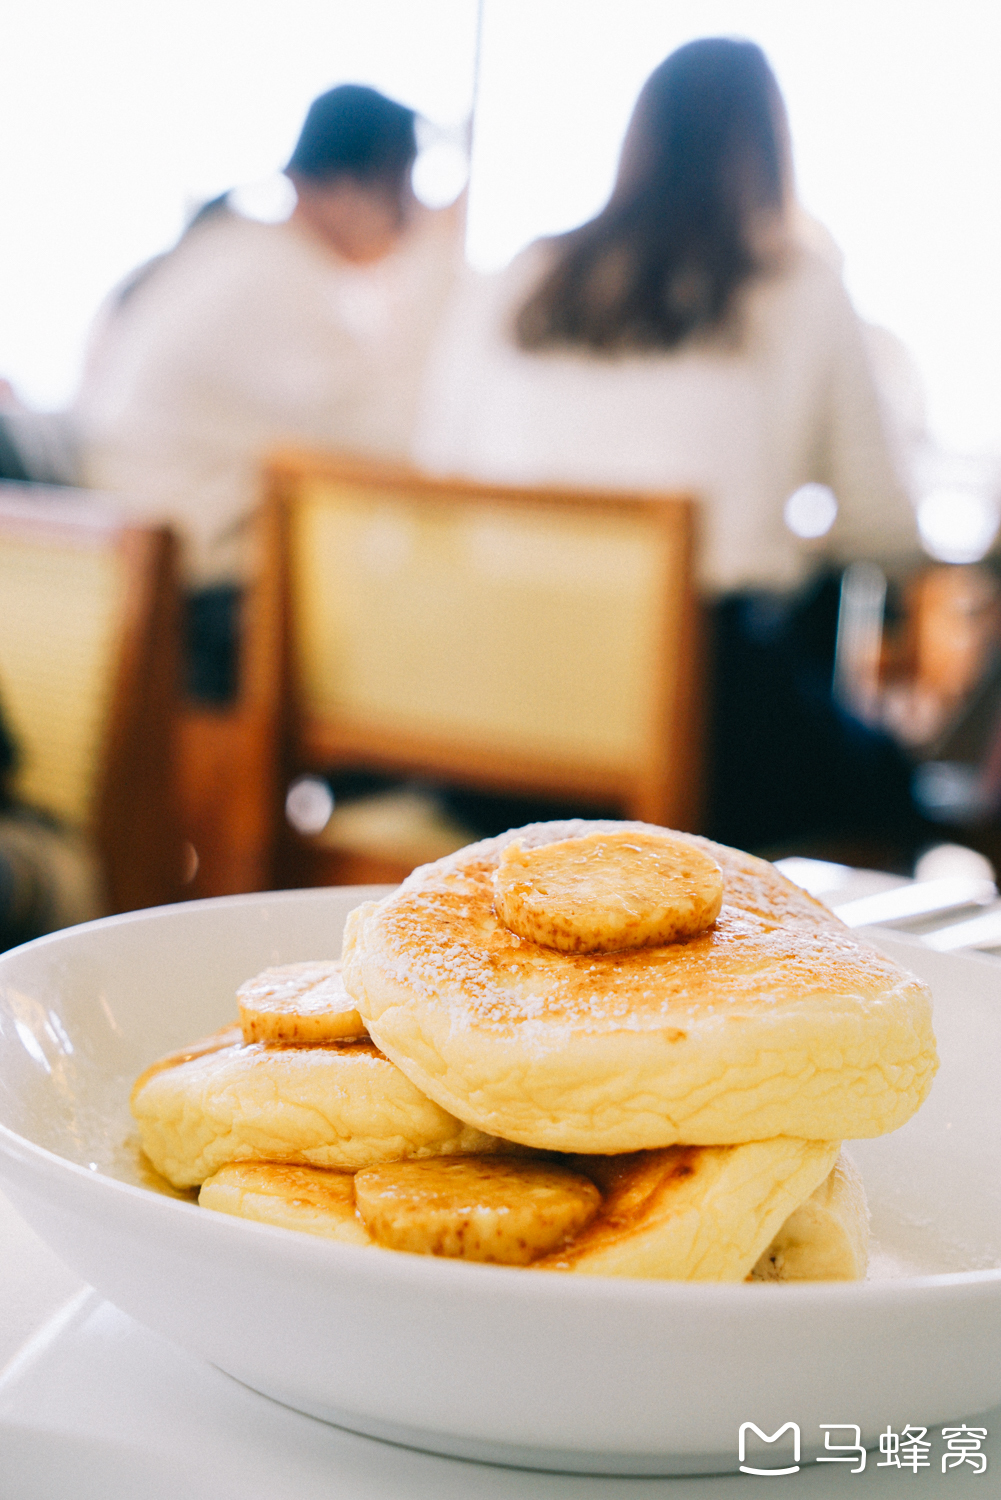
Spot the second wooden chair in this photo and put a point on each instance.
(533, 642)
(88, 625)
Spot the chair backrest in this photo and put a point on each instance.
(228, 754)
(88, 634)
(526, 640)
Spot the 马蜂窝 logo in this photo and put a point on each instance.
(909, 1449)
(746, 1427)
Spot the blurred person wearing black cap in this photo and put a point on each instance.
(249, 335)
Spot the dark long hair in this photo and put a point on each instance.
(704, 167)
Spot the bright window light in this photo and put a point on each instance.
(895, 115)
(811, 511)
(118, 119)
(440, 173)
(957, 525)
(271, 200)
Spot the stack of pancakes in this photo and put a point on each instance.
(600, 1048)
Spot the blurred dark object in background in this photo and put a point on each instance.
(938, 661)
(212, 643)
(956, 695)
(790, 764)
(925, 668)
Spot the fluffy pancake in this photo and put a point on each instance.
(691, 1213)
(776, 1021)
(686, 1213)
(226, 1036)
(339, 1106)
(314, 1200)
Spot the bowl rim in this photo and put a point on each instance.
(429, 1269)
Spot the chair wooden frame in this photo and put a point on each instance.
(664, 788)
(132, 820)
(229, 755)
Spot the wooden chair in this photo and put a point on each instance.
(228, 756)
(88, 630)
(534, 642)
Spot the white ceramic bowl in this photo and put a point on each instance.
(483, 1361)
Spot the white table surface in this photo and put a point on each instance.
(95, 1407)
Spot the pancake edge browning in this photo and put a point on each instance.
(694, 1213)
(686, 1213)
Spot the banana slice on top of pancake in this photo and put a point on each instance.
(299, 1005)
(344, 1106)
(685, 1213)
(604, 892)
(773, 1019)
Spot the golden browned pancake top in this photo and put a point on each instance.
(771, 942)
(775, 1021)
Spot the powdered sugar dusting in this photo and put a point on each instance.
(439, 938)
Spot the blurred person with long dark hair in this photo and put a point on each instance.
(248, 335)
(687, 339)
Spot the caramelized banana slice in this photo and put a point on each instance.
(299, 1005)
(693, 1213)
(503, 1209)
(311, 1199)
(608, 891)
(826, 1238)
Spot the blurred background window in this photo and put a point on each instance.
(118, 120)
(895, 118)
